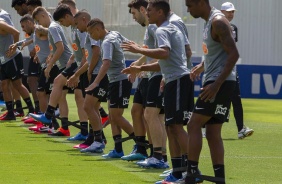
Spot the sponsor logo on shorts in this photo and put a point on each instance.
(125, 101)
(102, 92)
(187, 115)
(199, 108)
(168, 119)
(51, 87)
(221, 110)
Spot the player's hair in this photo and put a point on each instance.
(95, 22)
(197, 1)
(18, 2)
(37, 11)
(82, 13)
(68, 2)
(137, 4)
(161, 5)
(34, 2)
(26, 17)
(61, 11)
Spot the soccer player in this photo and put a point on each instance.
(21, 7)
(40, 40)
(173, 64)
(11, 65)
(61, 59)
(119, 86)
(95, 141)
(228, 10)
(148, 98)
(212, 106)
(64, 16)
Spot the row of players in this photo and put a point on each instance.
(165, 92)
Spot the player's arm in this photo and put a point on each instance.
(102, 72)
(222, 30)
(137, 69)
(43, 31)
(139, 61)
(95, 58)
(188, 51)
(7, 29)
(158, 53)
(55, 57)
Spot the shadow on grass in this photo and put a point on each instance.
(230, 139)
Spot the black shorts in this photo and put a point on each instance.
(13, 69)
(219, 107)
(33, 68)
(44, 84)
(69, 71)
(83, 83)
(141, 92)
(119, 94)
(177, 99)
(155, 97)
(100, 91)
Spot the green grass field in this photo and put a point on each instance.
(31, 158)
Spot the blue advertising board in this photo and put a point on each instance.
(256, 81)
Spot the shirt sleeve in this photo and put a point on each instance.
(107, 48)
(54, 32)
(162, 38)
(181, 26)
(82, 38)
(95, 43)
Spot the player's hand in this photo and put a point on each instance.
(162, 85)
(131, 70)
(131, 78)
(196, 72)
(47, 71)
(35, 59)
(11, 51)
(209, 92)
(130, 46)
(91, 87)
(73, 81)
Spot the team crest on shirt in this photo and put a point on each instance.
(51, 47)
(86, 53)
(102, 92)
(37, 48)
(221, 110)
(125, 101)
(74, 47)
(205, 48)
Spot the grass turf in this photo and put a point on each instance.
(31, 158)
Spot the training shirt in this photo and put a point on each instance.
(56, 34)
(112, 51)
(150, 41)
(89, 54)
(78, 41)
(178, 22)
(6, 40)
(215, 56)
(175, 66)
(42, 49)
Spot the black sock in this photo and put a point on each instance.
(151, 150)
(98, 136)
(192, 168)
(176, 163)
(165, 158)
(219, 172)
(103, 112)
(65, 124)
(37, 108)
(157, 155)
(10, 108)
(55, 123)
(1, 96)
(184, 160)
(90, 132)
(118, 145)
(84, 131)
(89, 140)
(141, 149)
(19, 107)
(50, 112)
(132, 135)
(29, 105)
(104, 137)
